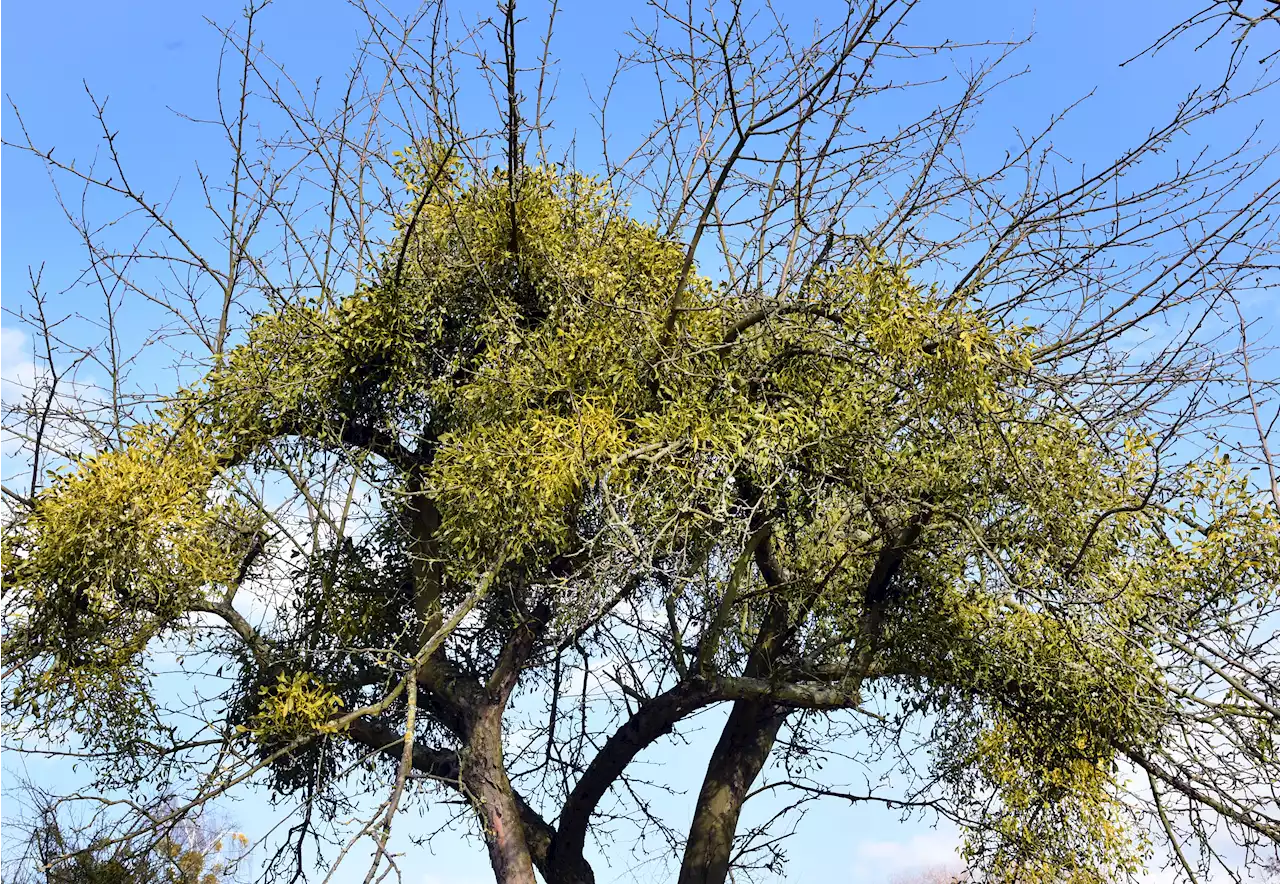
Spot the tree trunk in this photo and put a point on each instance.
(484, 776)
(739, 756)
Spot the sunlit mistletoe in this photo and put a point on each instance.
(859, 497)
(486, 477)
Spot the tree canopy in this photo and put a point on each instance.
(943, 523)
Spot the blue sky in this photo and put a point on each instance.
(156, 62)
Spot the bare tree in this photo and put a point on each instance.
(1235, 22)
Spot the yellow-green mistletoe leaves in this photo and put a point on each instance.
(516, 486)
(158, 484)
(119, 545)
(296, 705)
(114, 552)
(523, 408)
(1059, 817)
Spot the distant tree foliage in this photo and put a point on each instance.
(57, 853)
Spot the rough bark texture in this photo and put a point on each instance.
(484, 777)
(747, 738)
(654, 719)
(739, 756)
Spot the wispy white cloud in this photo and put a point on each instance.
(919, 852)
(17, 370)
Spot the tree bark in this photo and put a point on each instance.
(484, 777)
(753, 725)
(747, 738)
(741, 753)
(652, 720)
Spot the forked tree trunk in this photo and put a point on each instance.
(739, 756)
(484, 776)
